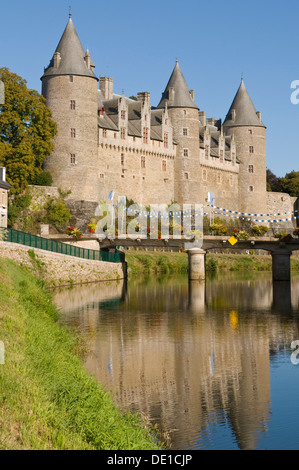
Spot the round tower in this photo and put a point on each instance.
(183, 114)
(245, 124)
(70, 88)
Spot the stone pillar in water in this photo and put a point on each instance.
(281, 265)
(197, 264)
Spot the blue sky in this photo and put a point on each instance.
(137, 42)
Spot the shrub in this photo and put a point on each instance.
(74, 232)
(259, 230)
(57, 212)
(218, 229)
(44, 178)
(283, 236)
(240, 234)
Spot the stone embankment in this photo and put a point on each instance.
(61, 270)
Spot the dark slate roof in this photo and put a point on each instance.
(245, 110)
(4, 185)
(72, 55)
(182, 97)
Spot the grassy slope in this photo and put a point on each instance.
(172, 263)
(47, 399)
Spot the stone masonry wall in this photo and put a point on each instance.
(61, 270)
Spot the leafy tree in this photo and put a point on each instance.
(26, 131)
(290, 183)
(273, 182)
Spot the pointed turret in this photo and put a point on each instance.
(177, 94)
(242, 111)
(69, 57)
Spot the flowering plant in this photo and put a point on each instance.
(74, 232)
(240, 234)
(91, 227)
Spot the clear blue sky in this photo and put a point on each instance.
(137, 42)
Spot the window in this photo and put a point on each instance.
(145, 135)
(163, 165)
(251, 149)
(250, 168)
(186, 176)
(123, 114)
(186, 152)
(102, 176)
(104, 132)
(251, 189)
(221, 155)
(73, 104)
(122, 133)
(122, 159)
(204, 175)
(142, 162)
(73, 158)
(250, 131)
(185, 131)
(71, 78)
(2, 220)
(166, 140)
(145, 117)
(73, 132)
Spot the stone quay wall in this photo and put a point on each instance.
(61, 270)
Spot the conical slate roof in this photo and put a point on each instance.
(72, 55)
(181, 95)
(245, 112)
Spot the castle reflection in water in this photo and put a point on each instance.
(189, 356)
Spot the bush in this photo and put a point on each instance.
(57, 212)
(259, 230)
(283, 236)
(240, 234)
(44, 178)
(218, 229)
(15, 207)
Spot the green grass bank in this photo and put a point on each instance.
(177, 263)
(47, 399)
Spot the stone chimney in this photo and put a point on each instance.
(2, 174)
(144, 96)
(106, 87)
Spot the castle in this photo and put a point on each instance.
(153, 155)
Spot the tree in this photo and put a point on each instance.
(273, 182)
(26, 131)
(290, 183)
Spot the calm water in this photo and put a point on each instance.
(210, 363)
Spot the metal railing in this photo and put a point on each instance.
(34, 241)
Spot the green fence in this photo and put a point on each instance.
(15, 236)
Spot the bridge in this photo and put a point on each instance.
(280, 251)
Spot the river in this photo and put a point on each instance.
(210, 363)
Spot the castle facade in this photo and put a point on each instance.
(152, 154)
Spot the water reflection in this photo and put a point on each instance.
(193, 357)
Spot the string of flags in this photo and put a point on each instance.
(254, 217)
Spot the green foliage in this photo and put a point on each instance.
(15, 207)
(57, 212)
(283, 235)
(290, 183)
(26, 131)
(218, 229)
(44, 178)
(259, 230)
(273, 182)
